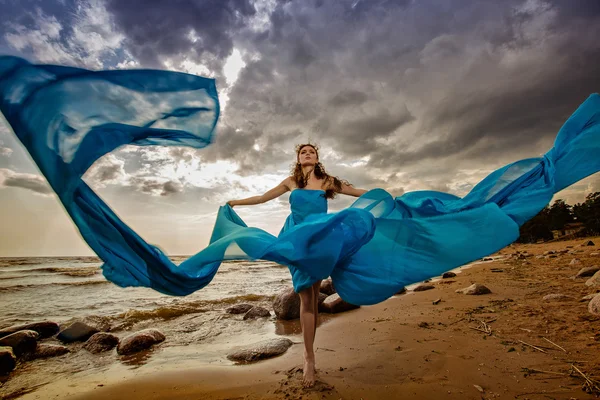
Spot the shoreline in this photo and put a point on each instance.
(407, 346)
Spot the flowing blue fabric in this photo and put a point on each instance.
(67, 118)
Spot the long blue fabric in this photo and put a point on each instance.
(67, 118)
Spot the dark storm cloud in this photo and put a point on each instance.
(512, 109)
(348, 97)
(479, 79)
(157, 28)
(24, 12)
(581, 8)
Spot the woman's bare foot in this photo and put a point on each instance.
(308, 380)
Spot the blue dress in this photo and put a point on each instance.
(67, 118)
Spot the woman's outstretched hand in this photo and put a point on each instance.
(231, 203)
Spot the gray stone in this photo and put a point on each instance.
(334, 304)
(589, 297)
(45, 329)
(423, 287)
(76, 332)
(587, 271)
(327, 287)
(100, 342)
(239, 309)
(21, 342)
(556, 297)
(49, 350)
(257, 312)
(261, 350)
(475, 290)
(594, 280)
(8, 361)
(594, 305)
(139, 341)
(287, 305)
(448, 274)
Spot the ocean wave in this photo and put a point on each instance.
(193, 307)
(34, 286)
(69, 271)
(2, 278)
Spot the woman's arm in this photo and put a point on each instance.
(352, 191)
(277, 191)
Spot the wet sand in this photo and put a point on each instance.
(408, 347)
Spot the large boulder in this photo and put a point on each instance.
(49, 350)
(76, 332)
(327, 287)
(257, 312)
(594, 281)
(8, 361)
(448, 274)
(45, 329)
(261, 350)
(587, 271)
(594, 305)
(475, 290)
(100, 342)
(21, 342)
(334, 304)
(139, 341)
(287, 305)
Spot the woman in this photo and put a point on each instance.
(67, 119)
(307, 174)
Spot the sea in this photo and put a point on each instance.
(197, 328)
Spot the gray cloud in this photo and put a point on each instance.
(463, 84)
(348, 97)
(35, 183)
(484, 83)
(155, 187)
(156, 29)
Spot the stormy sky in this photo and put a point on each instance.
(404, 95)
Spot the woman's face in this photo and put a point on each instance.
(308, 156)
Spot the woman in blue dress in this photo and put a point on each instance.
(67, 118)
(307, 175)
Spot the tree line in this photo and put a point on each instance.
(582, 218)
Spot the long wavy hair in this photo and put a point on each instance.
(334, 184)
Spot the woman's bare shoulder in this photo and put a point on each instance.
(289, 183)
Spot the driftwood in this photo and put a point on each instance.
(532, 346)
(590, 385)
(551, 342)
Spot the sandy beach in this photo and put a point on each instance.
(409, 347)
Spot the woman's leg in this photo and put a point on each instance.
(308, 324)
(316, 290)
